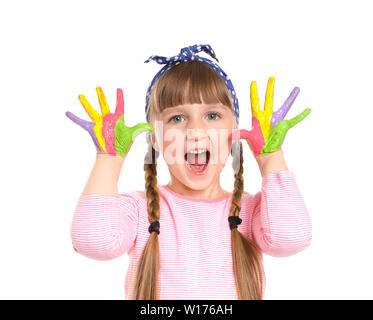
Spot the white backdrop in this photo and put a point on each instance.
(52, 52)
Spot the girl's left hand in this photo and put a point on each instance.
(268, 127)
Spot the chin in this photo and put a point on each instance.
(199, 181)
(198, 169)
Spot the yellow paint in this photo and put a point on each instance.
(95, 116)
(102, 100)
(265, 116)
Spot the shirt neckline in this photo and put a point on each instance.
(178, 195)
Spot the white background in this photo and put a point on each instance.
(53, 51)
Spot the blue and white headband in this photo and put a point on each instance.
(188, 53)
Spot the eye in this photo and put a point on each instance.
(176, 119)
(215, 116)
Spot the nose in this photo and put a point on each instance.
(195, 134)
(196, 131)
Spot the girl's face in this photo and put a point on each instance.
(193, 139)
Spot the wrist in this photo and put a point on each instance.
(271, 162)
(107, 157)
(262, 158)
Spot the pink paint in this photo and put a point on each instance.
(108, 124)
(254, 136)
(108, 131)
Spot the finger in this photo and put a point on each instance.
(254, 137)
(265, 121)
(280, 114)
(102, 100)
(255, 106)
(268, 103)
(257, 139)
(94, 115)
(289, 102)
(292, 122)
(240, 134)
(139, 128)
(119, 110)
(85, 124)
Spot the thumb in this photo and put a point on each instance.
(253, 137)
(139, 128)
(240, 134)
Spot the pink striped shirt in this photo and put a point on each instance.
(195, 238)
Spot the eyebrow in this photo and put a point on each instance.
(176, 109)
(217, 106)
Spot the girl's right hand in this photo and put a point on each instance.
(108, 131)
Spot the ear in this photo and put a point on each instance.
(154, 142)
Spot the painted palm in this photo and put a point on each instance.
(268, 128)
(108, 131)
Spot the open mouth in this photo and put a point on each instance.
(197, 161)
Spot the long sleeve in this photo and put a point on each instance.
(104, 227)
(281, 223)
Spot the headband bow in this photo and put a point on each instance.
(189, 53)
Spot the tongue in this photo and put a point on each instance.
(197, 169)
(197, 159)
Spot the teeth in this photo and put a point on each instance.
(197, 151)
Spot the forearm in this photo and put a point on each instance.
(272, 162)
(281, 223)
(104, 227)
(104, 176)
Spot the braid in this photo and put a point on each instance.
(245, 254)
(151, 185)
(238, 178)
(146, 286)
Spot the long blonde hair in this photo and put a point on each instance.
(188, 82)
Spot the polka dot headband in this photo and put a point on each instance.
(189, 53)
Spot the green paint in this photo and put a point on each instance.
(277, 134)
(124, 135)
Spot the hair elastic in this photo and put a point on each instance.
(234, 221)
(154, 227)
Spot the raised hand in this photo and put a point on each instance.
(268, 128)
(108, 131)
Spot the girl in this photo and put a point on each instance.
(191, 239)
